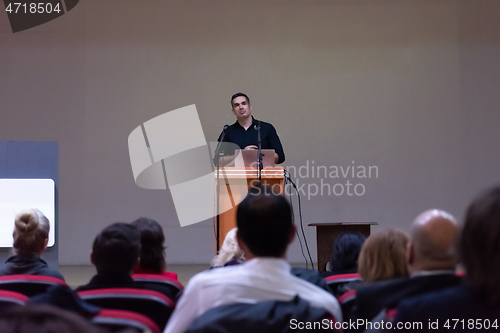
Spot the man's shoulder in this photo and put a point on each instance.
(218, 274)
(264, 124)
(438, 281)
(436, 304)
(306, 288)
(381, 287)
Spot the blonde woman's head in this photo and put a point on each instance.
(31, 232)
(229, 250)
(383, 256)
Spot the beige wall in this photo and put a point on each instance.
(408, 86)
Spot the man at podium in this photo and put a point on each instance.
(244, 132)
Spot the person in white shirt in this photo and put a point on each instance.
(265, 229)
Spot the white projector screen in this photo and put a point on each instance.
(19, 194)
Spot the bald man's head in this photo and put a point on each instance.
(432, 244)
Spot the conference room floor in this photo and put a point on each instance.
(77, 275)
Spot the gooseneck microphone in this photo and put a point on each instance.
(217, 152)
(259, 152)
(217, 155)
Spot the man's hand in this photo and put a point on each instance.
(251, 147)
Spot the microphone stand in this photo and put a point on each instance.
(218, 156)
(259, 153)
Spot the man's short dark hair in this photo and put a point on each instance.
(480, 245)
(116, 248)
(239, 94)
(264, 221)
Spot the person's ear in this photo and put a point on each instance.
(45, 243)
(92, 260)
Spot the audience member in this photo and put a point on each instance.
(152, 249)
(230, 253)
(431, 259)
(115, 254)
(382, 256)
(344, 260)
(265, 229)
(345, 254)
(475, 304)
(31, 235)
(45, 319)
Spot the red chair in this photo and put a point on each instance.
(29, 285)
(342, 278)
(339, 284)
(118, 320)
(9, 298)
(346, 302)
(152, 304)
(151, 281)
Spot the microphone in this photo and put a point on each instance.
(256, 124)
(218, 151)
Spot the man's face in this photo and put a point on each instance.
(241, 109)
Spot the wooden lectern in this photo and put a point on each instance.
(234, 183)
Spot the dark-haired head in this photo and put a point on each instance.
(116, 249)
(240, 94)
(152, 249)
(480, 245)
(265, 224)
(346, 252)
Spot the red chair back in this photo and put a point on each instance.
(150, 281)
(9, 298)
(118, 320)
(152, 304)
(342, 278)
(339, 284)
(347, 301)
(29, 285)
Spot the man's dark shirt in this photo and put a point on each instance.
(372, 298)
(268, 137)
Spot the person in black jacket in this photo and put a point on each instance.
(115, 255)
(244, 131)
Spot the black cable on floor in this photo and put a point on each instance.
(287, 180)
(287, 176)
